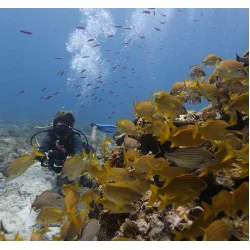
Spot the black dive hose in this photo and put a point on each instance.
(37, 134)
(52, 129)
(83, 135)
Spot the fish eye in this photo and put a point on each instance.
(212, 158)
(58, 198)
(138, 196)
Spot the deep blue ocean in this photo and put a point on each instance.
(134, 52)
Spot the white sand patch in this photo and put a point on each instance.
(17, 196)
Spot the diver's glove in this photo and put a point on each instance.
(55, 154)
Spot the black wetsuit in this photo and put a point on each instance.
(72, 145)
(58, 149)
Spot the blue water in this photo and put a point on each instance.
(158, 60)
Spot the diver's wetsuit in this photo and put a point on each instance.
(72, 145)
(59, 149)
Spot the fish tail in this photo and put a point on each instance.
(218, 61)
(72, 216)
(194, 83)
(84, 154)
(237, 57)
(36, 152)
(238, 124)
(154, 194)
(178, 235)
(230, 153)
(117, 124)
(196, 131)
(164, 202)
(134, 107)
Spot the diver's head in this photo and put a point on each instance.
(63, 124)
(92, 124)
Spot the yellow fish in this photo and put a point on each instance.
(87, 197)
(225, 152)
(218, 230)
(222, 202)
(120, 193)
(178, 190)
(214, 130)
(127, 126)
(70, 200)
(75, 166)
(117, 174)
(94, 168)
(232, 69)
(50, 216)
(70, 231)
(177, 88)
(142, 164)
(169, 105)
(144, 109)
(169, 172)
(104, 145)
(238, 102)
(120, 238)
(187, 135)
(210, 92)
(161, 130)
(130, 156)
(240, 198)
(211, 60)
(21, 164)
(36, 235)
(115, 208)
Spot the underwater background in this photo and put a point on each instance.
(133, 54)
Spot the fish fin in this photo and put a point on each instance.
(202, 171)
(154, 194)
(134, 107)
(218, 62)
(167, 181)
(163, 202)
(195, 83)
(196, 130)
(237, 57)
(150, 173)
(72, 216)
(36, 152)
(187, 78)
(238, 124)
(203, 80)
(230, 153)
(117, 124)
(84, 154)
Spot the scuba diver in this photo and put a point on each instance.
(60, 141)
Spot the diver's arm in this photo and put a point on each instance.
(46, 143)
(77, 145)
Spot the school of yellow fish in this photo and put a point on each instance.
(195, 150)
